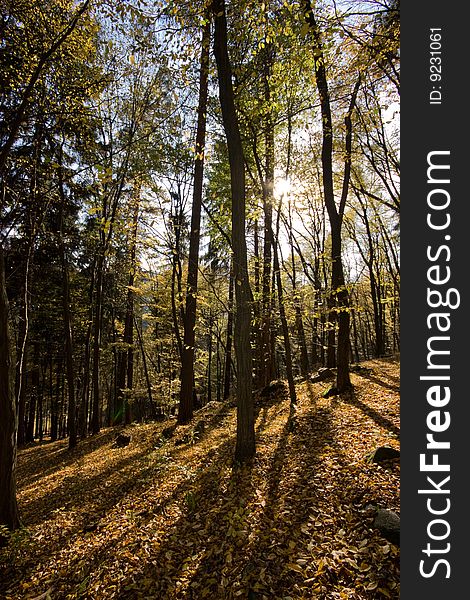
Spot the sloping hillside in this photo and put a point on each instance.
(170, 516)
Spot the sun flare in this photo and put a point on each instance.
(282, 187)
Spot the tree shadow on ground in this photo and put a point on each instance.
(352, 398)
(223, 531)
(37, 461)
(52, 459)
(216, 541)
(85, 493)
(101, 490)
(382, 382)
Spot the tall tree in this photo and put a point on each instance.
(71, 417)
(185, 409)
(28, 51)
(245, 446)
(40, 63)
(335, 213)
(8, 505)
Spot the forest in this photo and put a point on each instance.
(200, 299)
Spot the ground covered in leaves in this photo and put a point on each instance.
(171, 517)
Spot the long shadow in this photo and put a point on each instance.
(213, 536)
(211, 420)
(204, 489)
(262, 408)
(351, 398)
(232, 525)
(288, 510)
(212, 510)
(221, 515)
(35, 463)
(96, 489)
(275, 526)
(105, 496)
(102, 503)
(382, 382)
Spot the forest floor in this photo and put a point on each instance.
(165, 520)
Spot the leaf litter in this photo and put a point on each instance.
(169, 518)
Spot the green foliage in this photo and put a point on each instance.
(16, 544)
(191, 502)
(112, 116)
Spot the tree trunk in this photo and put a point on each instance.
(33, 397)
(129, 325)
(85, 391)
(285, 327)
(146, 371)
(356, 346)
(125, 362)
(335, 214)
(256, 327)
(218, 369)
(209, 360)
(268, 357)
(304, 362)
(228, 344)
(22, 349)
(71, 415)
(8, 506)
(185, 408)
(374, 290)
(96, 400)
(245, 446)
(52, 401)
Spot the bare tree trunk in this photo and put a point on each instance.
(257, 312)
(228, 344)
(33, 397)
(245, 446)
(185, 408)
(52, 402)
(175, 274)
(335, 213)
(8, 505)
(266, 358)
(129, 325)
(218, 369)
(22, 349)
(304, 362)
(285, 327)
(125, 362)
(71, 418)
(209, 359)
(356, 347)
(146, 371)
(85, 391)
(96, 399)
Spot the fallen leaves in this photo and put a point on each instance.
(166, 521)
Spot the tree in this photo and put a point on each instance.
(18, 89)
(68, 333)
(245, 446)
(335, 213)
(8, 505)
(37, 68)
(185, 409)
